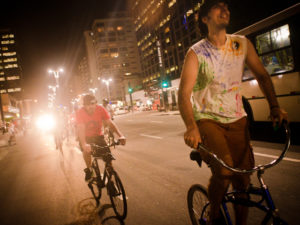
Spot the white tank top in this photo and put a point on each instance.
(216, 94)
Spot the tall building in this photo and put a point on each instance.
(117, 58)
(165, 29)
(10, 73)
(10, 68)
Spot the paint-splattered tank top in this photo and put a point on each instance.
(216, 94)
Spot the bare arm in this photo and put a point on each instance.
(265, 83)
(187, 82)
(113, 127)
(81, 136)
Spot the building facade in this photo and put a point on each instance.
(10, 73)
(117, 57)
(165, 29)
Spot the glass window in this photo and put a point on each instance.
(278, 61)
(280, 37)
(274, 50)
(263, 43)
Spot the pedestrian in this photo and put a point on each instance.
(214, 116)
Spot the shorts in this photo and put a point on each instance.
(98, 140)
(229, 141)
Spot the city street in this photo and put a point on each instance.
(41, 186)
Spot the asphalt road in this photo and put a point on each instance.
(40, 186)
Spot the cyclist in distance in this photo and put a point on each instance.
(212, 74)
(89, 120)
(108, 107)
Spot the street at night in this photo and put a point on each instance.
(40, 186)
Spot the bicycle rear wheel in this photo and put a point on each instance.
(117, 195)
(198, 204)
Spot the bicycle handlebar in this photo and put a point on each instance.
(201, 147)
(95, 146)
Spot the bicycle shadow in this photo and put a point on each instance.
(88, 213)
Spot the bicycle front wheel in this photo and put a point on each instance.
(95, 184)
(198, 204)
(117, 195)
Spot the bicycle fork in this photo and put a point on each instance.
(273, 212)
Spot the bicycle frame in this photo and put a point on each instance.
(262, 191)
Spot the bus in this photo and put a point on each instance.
(277, 43)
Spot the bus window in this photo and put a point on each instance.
(275, 51)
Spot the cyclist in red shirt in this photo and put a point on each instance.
(90, 120)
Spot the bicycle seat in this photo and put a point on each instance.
(195, 156)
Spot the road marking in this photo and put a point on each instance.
(151, 136)
(275, 157)
(155, 121)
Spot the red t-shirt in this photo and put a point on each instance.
(93, 123)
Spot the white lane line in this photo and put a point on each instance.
(151, 136)
(155, 121)
(275, 157)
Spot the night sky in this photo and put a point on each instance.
(49, 33)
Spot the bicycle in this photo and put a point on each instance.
(110, 179)
(197, 193)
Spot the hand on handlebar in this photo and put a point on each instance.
(278, 115)
(87, 148)
(122, 140)
(192, 137)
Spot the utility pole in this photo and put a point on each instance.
(130, 90)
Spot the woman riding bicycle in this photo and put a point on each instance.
(212, 71)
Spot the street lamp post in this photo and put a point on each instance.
(107, 86)
(56, 74)
(93, 90)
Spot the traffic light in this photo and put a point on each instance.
(130, 90)
(165, 84)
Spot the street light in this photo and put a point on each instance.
(93, 90)
(56, 73)
(107, 85)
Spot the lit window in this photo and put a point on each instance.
(167, 29)
(114, 55)
(171, 3)
(9, 53)
(190, 12)
(2, 79)
(13, 78)
(119, 28)
(11, 66)
(10, 60)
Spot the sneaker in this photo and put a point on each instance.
(88, 174)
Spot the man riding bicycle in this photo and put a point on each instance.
(212, 71)
(108, 108)
(89, 121)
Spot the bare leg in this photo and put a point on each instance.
(241, 183)
(87, 158)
